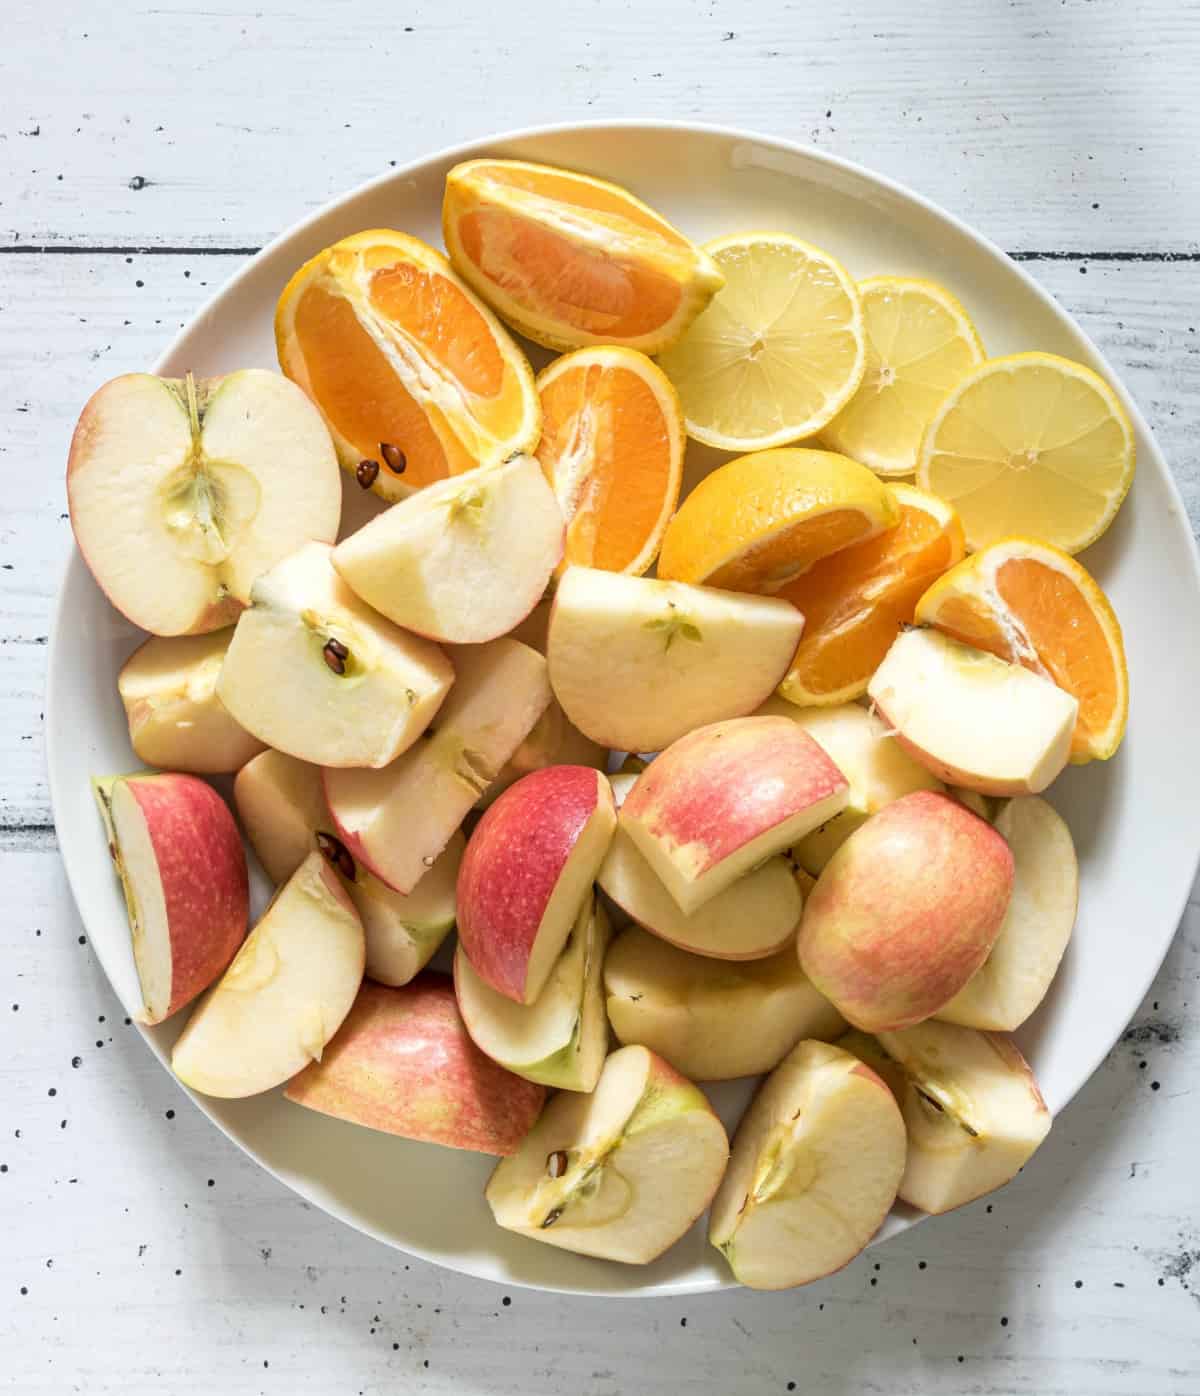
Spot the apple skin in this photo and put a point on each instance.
(403, 1063)
(906, 911)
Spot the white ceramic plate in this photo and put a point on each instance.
(1133, 819)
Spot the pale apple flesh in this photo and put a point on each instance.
(815, 1166)
(554, 741)
(621, 1173)
(974, 720)
(712, 1021)
(403, 1063)
(637, 663)
(724, 798)
(285, 994)
(561, 1038)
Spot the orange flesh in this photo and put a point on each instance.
(777, 557)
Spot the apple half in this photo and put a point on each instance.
(816, 1163)
(183, 490)
(561, 1038)
(403, 1063)
(621, 1173)
(636, 662)
(285, 994)
(179, 857)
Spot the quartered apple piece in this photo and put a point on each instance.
(637, 662)
(561, 1038)
(182, 491)
(399, 820)
(285, 994)
(815, 1166)
(315, 672)
(621, 1173)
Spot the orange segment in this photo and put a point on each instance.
(1033, 604)
(393, 347)
(855, 601)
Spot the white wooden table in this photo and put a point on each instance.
(145, 149)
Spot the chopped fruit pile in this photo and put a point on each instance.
(821, 857)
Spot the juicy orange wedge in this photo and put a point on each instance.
(856, 600)
(570, 260)
(1032, 604)
(612, 447)
(395, 350)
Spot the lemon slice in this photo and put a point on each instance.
(778, 352)
(920, 344)
(1030, 444)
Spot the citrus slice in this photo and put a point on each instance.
(570, 260)
(778, 353)
(855, 601)
(920, 343)
(1030, 444)
(612, 447)
(759, 521)
(1032, 604)
(410, 370)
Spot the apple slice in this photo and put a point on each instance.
(464, 560)
(906, 911)
(621, 1173)
(637, 662)
(721, 800)
(281, 802)
(972, 718)
(313, 671)
(182, 491)
(814, 1170)
(178, 854)
(1014, 978)
(861, 747)
(176, 720)
(561, 1038)
(553, 742)
(528, 868)
(712, 1021)
(403, 1063)
(398, 821)
(285, 994)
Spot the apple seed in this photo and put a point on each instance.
(552, 1216)
(394, 457)
(336, 852)
(556, 1166)
(336, 655)
(366, 472)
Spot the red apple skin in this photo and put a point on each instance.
(205, 883)
(403, 1063)
(725, 784)
(512, 864)
(906, 911)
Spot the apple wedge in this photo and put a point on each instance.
(1014, 978)
(176, 721)
(285, 994)
(561, 1038)
(529, 867)
(815, 1166)
(464, 560)
(179, 857)
(403, 1063)
(281, 803)
(554, 741)
(906, 911)
(399, 820)
(712, 1021)
(182, 491)
(972, 719)
(721, 800)
(314, 672)
(621, 1173)
(637, 662)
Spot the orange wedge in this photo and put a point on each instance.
(855, 602)
(1034, 605)
(612, 447)
(759, 521)
(570, 260)
(396, 351)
